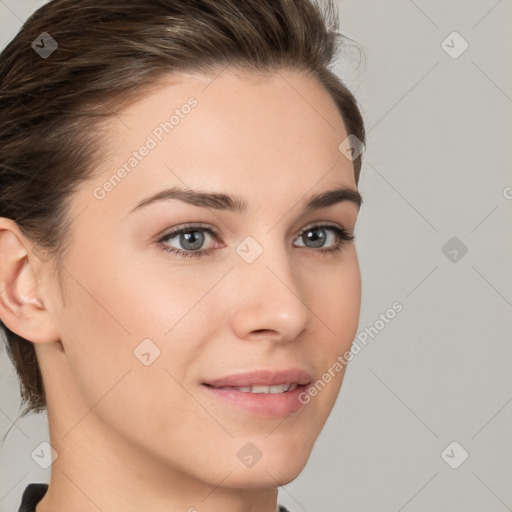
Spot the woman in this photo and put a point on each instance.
(178, 271)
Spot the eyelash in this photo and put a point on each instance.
(343, 237)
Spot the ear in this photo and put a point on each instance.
(23, 306)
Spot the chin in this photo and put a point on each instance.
(274, 469)
(262, 479)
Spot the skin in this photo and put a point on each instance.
(132, 437)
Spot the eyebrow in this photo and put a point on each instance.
(220, 201)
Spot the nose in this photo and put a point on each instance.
(267, 297)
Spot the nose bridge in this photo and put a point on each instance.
(268, 294)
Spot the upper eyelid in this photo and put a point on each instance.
(184, 228)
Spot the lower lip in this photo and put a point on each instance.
(268, 405)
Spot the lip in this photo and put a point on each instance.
(263, 377)
(266, 405)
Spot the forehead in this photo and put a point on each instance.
(226, 131)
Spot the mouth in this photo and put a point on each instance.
(264, 392)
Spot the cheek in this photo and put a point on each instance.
(335, 298)
(122, 314)
(102, 330)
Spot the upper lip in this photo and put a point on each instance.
(263, 377)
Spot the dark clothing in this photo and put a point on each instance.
(34, 493)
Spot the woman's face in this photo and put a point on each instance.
(150, 317)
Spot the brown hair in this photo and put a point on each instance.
(52, 106)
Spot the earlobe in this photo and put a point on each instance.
(22, 309)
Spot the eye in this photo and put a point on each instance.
(189, 238)
(318, 237)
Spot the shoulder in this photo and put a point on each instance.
(32, 495)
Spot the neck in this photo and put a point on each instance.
(96, 469)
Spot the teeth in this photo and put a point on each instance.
(262, 389)
(278, 389)
(281, 388)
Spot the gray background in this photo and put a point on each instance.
(437, 167)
